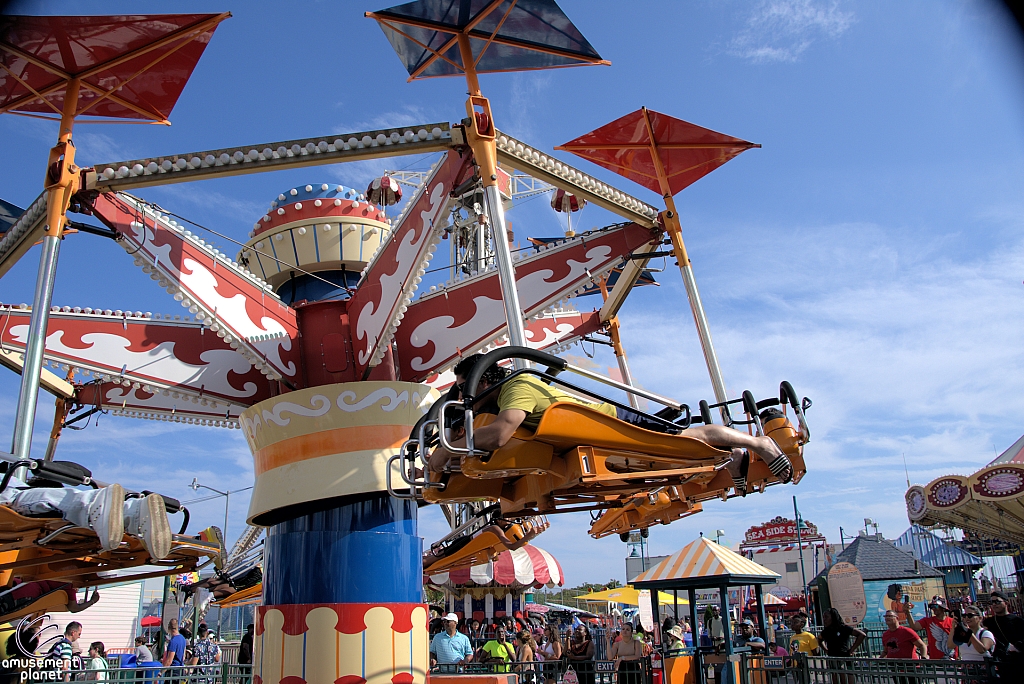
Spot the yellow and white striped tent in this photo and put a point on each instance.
(703, 563)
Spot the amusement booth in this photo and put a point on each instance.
(314, 337)
(498, 587)
(704, 564)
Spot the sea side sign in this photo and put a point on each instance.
(846, 592)
(780, 530)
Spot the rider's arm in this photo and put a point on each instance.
(496, 434)
(912, 624)
(487, 438)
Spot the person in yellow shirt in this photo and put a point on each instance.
(498, 652)
(523, 400)
(801, 641)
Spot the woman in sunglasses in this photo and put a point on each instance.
(980, 642)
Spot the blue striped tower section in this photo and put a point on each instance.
(342, 588)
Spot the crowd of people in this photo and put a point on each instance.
(538, 649)
(546, 650)
(65, 657)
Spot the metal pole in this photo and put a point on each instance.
(620, 351)
(60, 190)
(485, 153)
(800, 546)
(761, 617)
(694, 627)
(163, 615)
(220, 611)
(506, 272)
(675, 234)
(727, 632)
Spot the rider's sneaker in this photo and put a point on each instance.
(106, 516)
(213, 535)
(146, 519)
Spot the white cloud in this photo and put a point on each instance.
(781, 30)
(407, 115)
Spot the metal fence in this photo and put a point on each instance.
(825, 670)
(872, 646)
(226, 673)
(587, 671)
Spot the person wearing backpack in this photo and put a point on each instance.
(61, 652)
(976, 643)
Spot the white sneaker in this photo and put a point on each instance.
(106, 516)
(147, 519)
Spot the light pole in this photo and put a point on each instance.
(195, 486)
(799, 544)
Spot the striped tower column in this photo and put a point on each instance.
(342, 588)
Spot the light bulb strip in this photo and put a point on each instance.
(523, 157)
(26, 231)
(273, 156)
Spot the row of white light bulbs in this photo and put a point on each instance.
(27, 219)
(208, 320)
(407, 293)
(209, 422)
(195, 239)
(351, 194)
(528, 153)
(239, 157)
(202, 316)
(88, 310)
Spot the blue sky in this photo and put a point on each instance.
(870, 252)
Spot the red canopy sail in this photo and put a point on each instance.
(129, 67)
(632, 145)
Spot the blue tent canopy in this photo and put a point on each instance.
(504, 36)
(935, 551)
(9, 213)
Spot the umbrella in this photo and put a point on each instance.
(126, 67)
(432, 38)
(660, 152)
(772, 600)
(627, 595)
(150, 621)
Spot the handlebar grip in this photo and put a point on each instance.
(491, 358)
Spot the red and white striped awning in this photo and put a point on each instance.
(528, 566)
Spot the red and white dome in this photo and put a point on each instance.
(528, 566)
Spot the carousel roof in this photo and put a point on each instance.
(988, 503)
(528, 566)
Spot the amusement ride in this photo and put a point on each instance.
(316, 342)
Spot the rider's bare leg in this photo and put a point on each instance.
(721, 436)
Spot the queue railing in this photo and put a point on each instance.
(801, 669)
(226, 673)
(536, 672)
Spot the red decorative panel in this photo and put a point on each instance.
(443, 325)
(158, 354)
(237, 307)
(394, 274)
